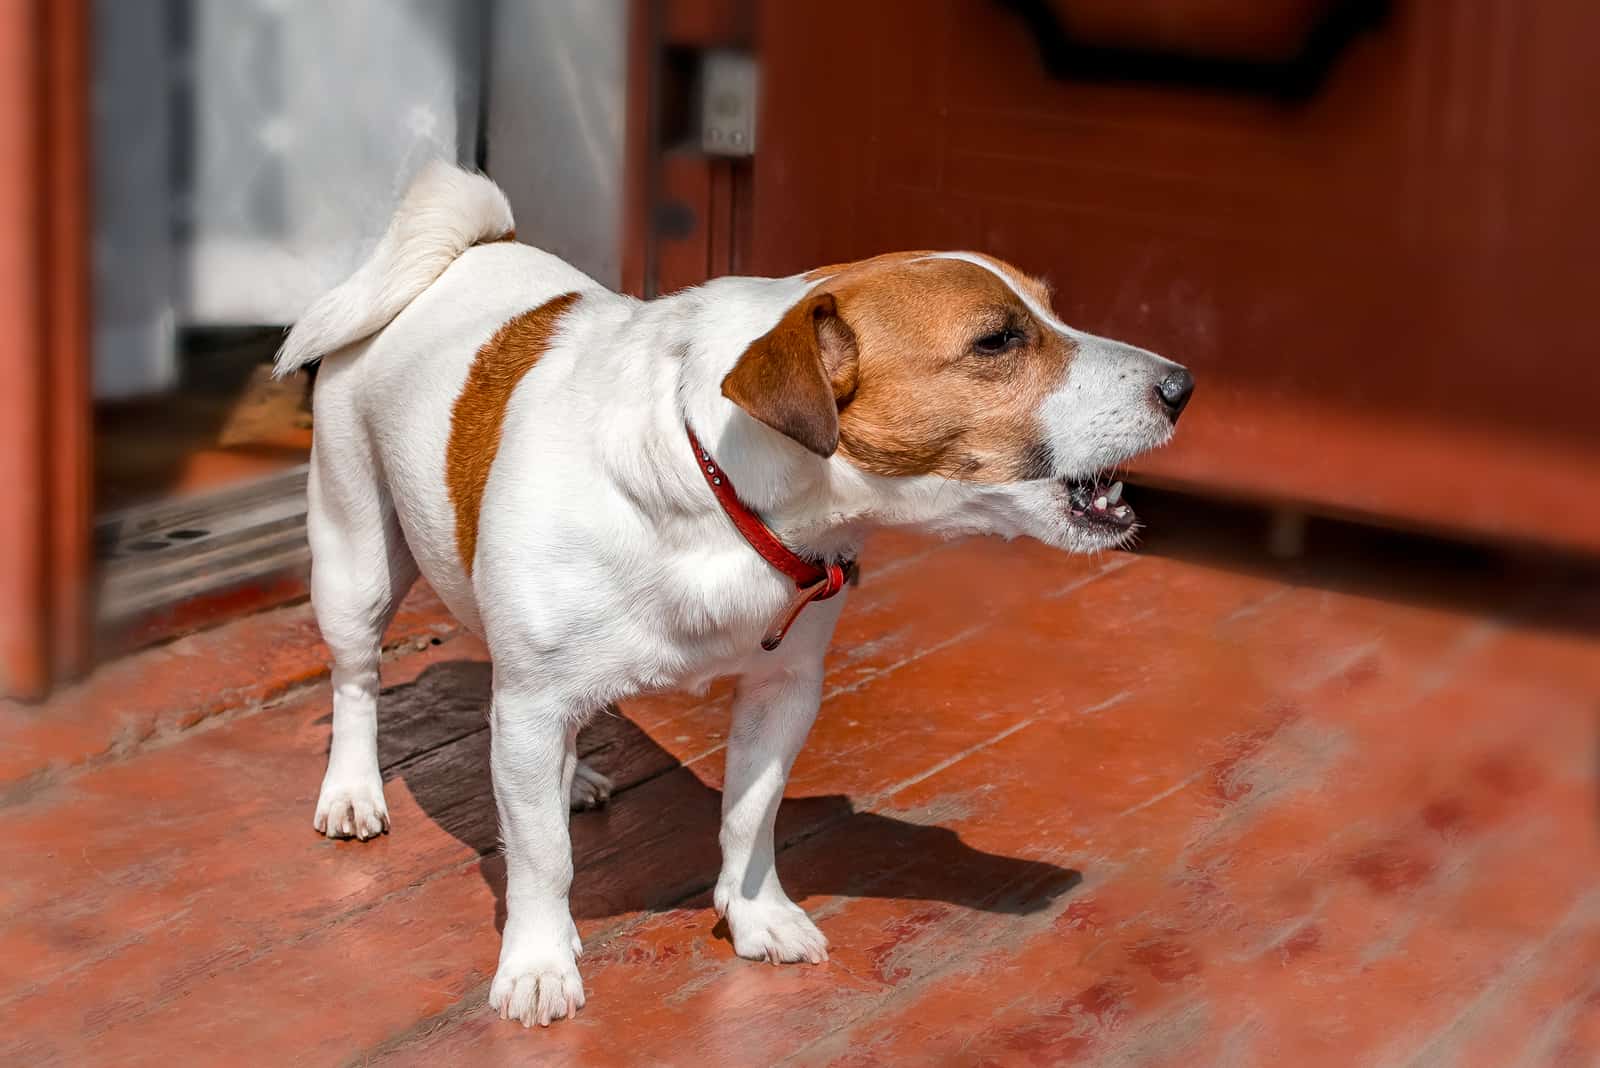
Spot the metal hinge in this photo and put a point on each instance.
(728, 104)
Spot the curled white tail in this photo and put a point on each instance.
(445, 212)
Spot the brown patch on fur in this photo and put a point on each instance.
(795, 376)
(480, 410)
(927, 401)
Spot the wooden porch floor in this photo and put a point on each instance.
(1180, 807)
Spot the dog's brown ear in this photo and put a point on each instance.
(797, 376)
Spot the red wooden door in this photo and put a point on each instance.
(44, 405)
(1381, 279)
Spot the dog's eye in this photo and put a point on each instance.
(997, 342)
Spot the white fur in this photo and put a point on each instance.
(604, 567)
(445, 212)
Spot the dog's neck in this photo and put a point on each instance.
(819, 508)
(686, 344)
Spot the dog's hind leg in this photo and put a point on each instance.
(590, 789)
(361, 569)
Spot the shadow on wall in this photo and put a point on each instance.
(655, 846)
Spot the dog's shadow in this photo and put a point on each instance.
(655, 845)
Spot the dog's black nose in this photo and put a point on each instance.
(1174, 391)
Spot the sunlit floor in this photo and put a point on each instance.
(1181, 807)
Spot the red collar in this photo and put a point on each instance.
(813, 582)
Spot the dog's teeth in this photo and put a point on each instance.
(1099, 504)
(1114, 494)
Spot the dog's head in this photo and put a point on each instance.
(949, 383)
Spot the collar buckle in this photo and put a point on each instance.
(838, 575)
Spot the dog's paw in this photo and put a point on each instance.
(538, 987)
(351, 806)
(777, 931)
(590, 789)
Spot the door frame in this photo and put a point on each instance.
(686, 214)
(45, 410)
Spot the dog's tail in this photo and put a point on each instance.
(445, 212)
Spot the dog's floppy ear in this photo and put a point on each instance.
(797, 376)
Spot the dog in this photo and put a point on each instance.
(624, 496)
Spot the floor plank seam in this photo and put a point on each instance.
(165, 734)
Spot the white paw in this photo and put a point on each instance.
(775, 930)
(538, 984)
(590, 789)
(351, 805)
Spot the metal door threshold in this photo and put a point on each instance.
(156, 560)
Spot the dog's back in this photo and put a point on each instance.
(397, 340)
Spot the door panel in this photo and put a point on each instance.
(1381, 287)
(44, 420)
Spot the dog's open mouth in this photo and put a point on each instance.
(1096, 503)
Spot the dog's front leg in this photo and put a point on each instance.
(533, 753)
(772, 714)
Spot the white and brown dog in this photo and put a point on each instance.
(559, 461)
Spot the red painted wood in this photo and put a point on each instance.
(684, 258)
(44, 351)
(1192, 807)
(244, 664)
(707, 23)
(24, 527)
(687, 215)
(1382, 289)
(67, 359)
(711, 194)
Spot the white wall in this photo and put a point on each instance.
(557, 105)
(310, 118)
(133, 252)
(247, 154)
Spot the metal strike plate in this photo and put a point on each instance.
(728, 104)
